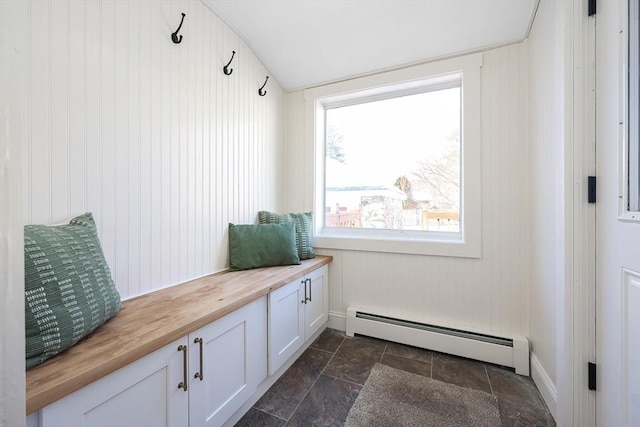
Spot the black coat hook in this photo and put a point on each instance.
(263, 92)
(226, 68)
(174, 36)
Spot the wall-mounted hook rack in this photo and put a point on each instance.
(263, 92)
(226, 68)
(174, 36)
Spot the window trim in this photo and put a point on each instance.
(468, 245)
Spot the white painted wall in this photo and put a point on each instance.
(149, 135)
(12, 91)
(546, 129)
(562, 222)
(490, 293)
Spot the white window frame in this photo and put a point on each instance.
(465, 244)
(629, 123)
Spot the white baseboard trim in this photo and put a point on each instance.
(545, 385)
(337, 321)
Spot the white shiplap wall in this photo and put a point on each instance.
(490, 293)
(149, 135)
(547, 157)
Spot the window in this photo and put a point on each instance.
(393, 163)
(632, 151)
(397, 160)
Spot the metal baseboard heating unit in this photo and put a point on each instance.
(512, 352)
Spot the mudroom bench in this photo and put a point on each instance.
(194, 354)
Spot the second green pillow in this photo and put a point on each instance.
(262, 245)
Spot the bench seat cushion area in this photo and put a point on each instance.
(69, 291)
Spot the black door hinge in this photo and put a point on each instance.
(592, 376)
(591, 197)
(592, 7)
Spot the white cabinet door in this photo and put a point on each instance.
(286, 323)
(143, 393)
(296, 311)
(317, 306)
(229, 363)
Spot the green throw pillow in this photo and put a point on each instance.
(68, 287)
(303, 229)
(263, 245)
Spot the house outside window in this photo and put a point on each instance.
(397, 160)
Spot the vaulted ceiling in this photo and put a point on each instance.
(305, 43)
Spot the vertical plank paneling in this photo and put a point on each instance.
(547, 125)
(59, 109)
(148, 135)
(40, 114)
(199, 128)
(175, 156)
(77, 117)
(121, 144)
(190, 99)
(146, 78)
(133, 137)
(224, 120)
(184, 144)
(166, 167)
(108, 132)
(157, 210)
(93, 115)
(206, 261)
(221, 222)
(27, 155)
(488, 293)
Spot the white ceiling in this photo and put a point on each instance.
(306, 43)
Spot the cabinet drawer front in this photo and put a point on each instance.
(143, 393)
(234, 363)
(286, 323)
(317, 308)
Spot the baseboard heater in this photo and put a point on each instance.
(506, 351)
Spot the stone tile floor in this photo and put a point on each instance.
(321, 386)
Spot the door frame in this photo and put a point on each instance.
(577, 310)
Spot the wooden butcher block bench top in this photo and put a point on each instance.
(151, 321)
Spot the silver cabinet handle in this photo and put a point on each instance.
(200, 374)
(183, 384)
(304, 301)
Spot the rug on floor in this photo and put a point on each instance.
(392, 397)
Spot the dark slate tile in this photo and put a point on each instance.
(459, 371)
(327, 404)
(355, 358)
(329, 340)
(519, 400)
(409, 365)
(409, 352)
(257, 418)
(287, 393)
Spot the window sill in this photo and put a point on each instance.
(630, 217)
(435, 247)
